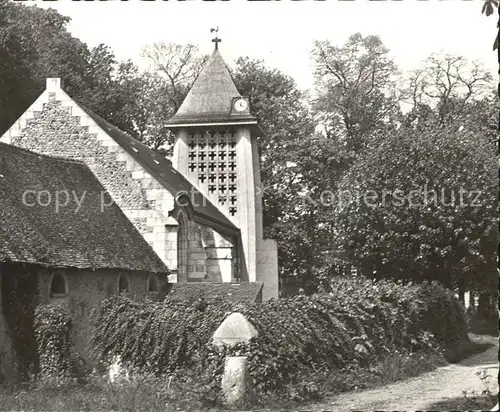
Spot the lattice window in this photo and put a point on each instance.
(212, 161)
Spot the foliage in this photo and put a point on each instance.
(446, 89)
(172, 70)
(285, 150)
(421, 205)
(53, 335)
(179, 64)
(148, 393)
(156, 337)
(142, 394)
(34, 44)
(312, 138)
(355, 88)
(19, 301)
(150, 111)
(355, 94)
(355, 327)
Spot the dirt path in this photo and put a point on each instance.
(421, 392)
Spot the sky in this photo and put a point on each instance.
(282, 32)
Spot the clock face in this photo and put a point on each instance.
(240, 105)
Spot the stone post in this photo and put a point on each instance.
(236, 386)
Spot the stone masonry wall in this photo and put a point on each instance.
(56, 131)
(86, 289)
(55, 125)
(196, 255)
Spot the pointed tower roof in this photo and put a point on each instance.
(211, 97)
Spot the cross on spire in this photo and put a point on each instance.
(216, 39)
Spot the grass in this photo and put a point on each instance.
(392, 368)
(153, 394)
(483, 401)
(150, 394)
(400, 366)
(466, 403)
(142, 394)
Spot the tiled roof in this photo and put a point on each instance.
(246, 292)
(85, 236)
(211, 96)
(163, 171)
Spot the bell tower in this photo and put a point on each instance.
(216, 150)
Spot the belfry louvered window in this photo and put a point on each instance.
(212, 159)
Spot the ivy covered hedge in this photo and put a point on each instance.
(53, 336)
(58, 359)
(357, 325)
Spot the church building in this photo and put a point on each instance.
(201, 210)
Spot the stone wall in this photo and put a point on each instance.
(85, 290)
(267, 267)
(196, 254)
(57, 130)
(55, 125)
(222, 257)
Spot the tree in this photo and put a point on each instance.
(355, 88)
(152, 108)
(442, 234)
(173, 69)
(298, 164)
(180, 64)
(120, 93)
(450, 90)
(488, 8)
(107, 86)
(287, 152)
(317, 166)
(34, 44)
(445, 87)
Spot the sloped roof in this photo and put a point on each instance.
(163, 171)
(211, 96)
(245, 292)
(85, 236)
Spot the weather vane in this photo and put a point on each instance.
(216, 39)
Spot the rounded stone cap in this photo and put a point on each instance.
(235, 329)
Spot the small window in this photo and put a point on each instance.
(123, 284)
(58, 286)
(152, 285)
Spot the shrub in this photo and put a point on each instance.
(160, 338)
(52, 331)
(358, 325)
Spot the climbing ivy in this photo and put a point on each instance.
(53, 336)
(159, 337)
(357, 325)
(19, 300)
